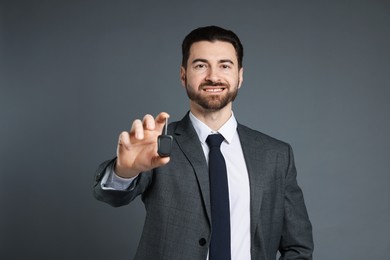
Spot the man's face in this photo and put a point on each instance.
(212, 77)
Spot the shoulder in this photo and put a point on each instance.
(261, 139)
(182, 126)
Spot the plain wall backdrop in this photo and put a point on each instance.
(74, 74)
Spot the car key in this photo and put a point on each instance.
(164, 142)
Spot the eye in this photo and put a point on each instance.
(225, 66)
(200, 66)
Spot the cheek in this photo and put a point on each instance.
(231, 80)
(193, 80)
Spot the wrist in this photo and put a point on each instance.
(123, 172)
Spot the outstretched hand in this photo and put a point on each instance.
(137, 149)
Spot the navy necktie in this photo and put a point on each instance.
(219, 197)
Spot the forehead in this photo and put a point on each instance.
(216, 50)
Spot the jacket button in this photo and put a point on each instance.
(202, 241)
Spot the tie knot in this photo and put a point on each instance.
(214, 140)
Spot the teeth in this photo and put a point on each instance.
(213, 89)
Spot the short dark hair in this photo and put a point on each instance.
(211, 34)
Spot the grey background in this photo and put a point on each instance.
(74, 74)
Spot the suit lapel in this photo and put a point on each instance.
(254, 157)
(188, 141)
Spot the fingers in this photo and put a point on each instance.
(137, 129)
(148, 123)
(124, 140)
(160, 121)
(137, 149)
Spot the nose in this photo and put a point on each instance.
(212, 75)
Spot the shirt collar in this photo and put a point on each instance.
(227, 130)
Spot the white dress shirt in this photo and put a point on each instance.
(238, 181)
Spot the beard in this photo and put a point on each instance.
(212, 102)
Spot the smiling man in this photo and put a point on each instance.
(226, 191)
(212, 68)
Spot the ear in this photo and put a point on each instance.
(183, 76)
(240, 77)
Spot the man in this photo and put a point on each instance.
(265, 210)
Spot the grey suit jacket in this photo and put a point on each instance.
(177, 200)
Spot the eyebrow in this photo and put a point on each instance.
(227, 60)
(206, 61)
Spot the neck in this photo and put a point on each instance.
(214, 119)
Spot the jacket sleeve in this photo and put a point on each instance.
(117, 198)
(296, 241)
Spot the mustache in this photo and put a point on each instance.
(210, 83)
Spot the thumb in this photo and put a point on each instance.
(158, 161)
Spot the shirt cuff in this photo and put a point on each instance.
(111, 181)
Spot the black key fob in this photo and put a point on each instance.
(164, 142)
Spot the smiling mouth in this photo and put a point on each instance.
(213, 90)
